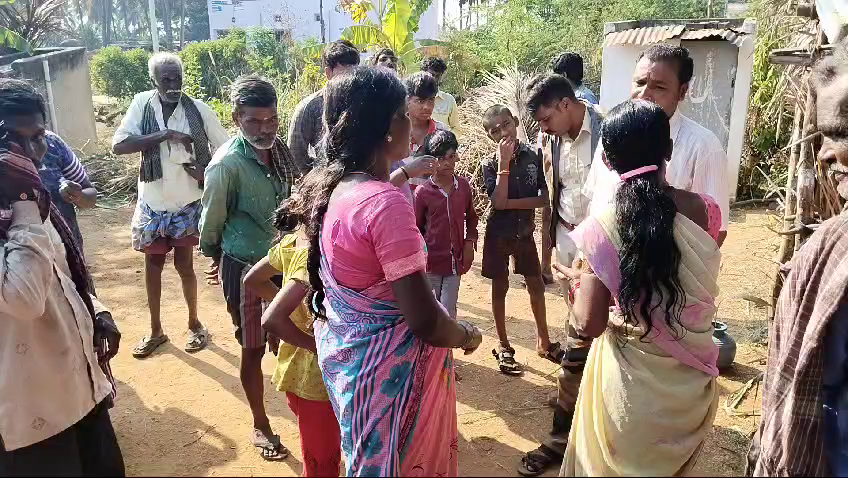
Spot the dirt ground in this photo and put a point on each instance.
(183, 414)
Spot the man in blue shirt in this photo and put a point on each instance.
(66, 179)
(570, 65)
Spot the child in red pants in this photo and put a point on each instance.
(297, 372)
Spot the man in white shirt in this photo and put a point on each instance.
(445, 110)
(176, 136)
(698, 160)
(570, 129)
(570, 132)
(54, 396)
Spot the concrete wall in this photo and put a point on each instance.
(62, 76)
(298, 17)
(718, 93)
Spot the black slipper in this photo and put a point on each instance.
(506, 361)
(538, 461)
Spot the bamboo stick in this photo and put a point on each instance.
(806, 182)
(787, 245)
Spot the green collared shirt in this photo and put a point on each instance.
(240, 195)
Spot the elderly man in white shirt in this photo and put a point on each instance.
(54, 395)
(698, 160)
(176, 136)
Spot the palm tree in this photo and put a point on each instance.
(32, 20)
(167, 20)
(107, 22)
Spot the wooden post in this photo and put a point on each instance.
(806, 173)
(182, 24)
(787, 246)
(321, 18)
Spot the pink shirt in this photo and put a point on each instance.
(370, 239)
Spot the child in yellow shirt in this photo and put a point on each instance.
(297, 372)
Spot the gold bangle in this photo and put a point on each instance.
(503, 173)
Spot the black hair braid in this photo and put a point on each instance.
(330, 178)
(649, 256)
(636, 134)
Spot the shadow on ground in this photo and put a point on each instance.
(193, 447)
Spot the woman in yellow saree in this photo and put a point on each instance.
(648, 395)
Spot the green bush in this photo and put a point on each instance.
(223, 109)
(289, 93)
(530, 33)
(210, 66)
(118, 73)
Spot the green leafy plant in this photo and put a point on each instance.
(396, 26)
(764, 168)
(531, 32)
(10, 39)
(120, 74)
(34, 20)
(210, 66)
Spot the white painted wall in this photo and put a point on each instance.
(620, 60)
(739, 110)
(298, 16)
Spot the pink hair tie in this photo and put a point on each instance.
(638, 172)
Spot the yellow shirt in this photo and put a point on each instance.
(297, 368)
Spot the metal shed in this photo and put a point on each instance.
(723, 50)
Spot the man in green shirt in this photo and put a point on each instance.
(244, 183)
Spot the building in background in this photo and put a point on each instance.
(299, 19)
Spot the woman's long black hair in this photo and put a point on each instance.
(358, 111)
(636, 134)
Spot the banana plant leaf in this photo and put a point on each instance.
(364, 36)
(418, 9)
(314, 51)
(10, 39)
(396, 24)
(358, 9)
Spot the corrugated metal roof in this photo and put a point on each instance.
(644, 36)
(658, 34)
(709, 34)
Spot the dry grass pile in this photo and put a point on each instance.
(504, 86)
(115, 177)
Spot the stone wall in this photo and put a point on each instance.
(70, 109)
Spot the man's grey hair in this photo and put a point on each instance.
(162, 58)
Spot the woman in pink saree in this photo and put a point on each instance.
(384, 342)
(648, 396)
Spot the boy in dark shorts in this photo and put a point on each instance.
(515, 182)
